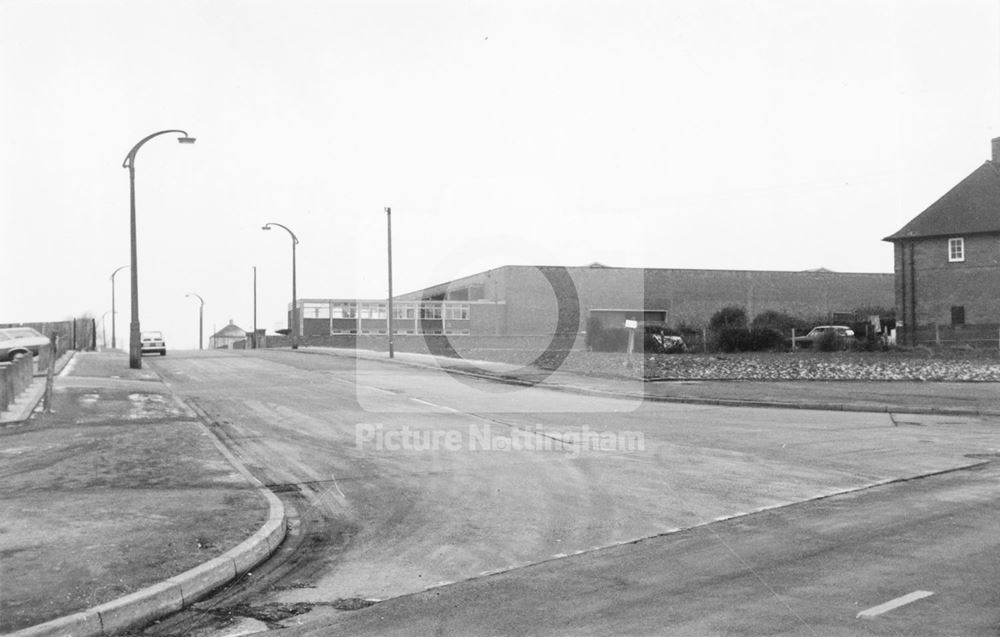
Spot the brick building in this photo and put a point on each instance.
(515, 301)
(947, 264)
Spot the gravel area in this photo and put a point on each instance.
(916, 365)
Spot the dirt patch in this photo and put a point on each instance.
(100, 501)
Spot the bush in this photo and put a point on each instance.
(779, 322)
(748, 340)
(605, 339)
(730, 317)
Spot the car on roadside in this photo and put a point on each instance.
(153, 343)
(841, 332)
(20, 341)
(659, 340)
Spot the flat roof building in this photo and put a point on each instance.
(540, 300)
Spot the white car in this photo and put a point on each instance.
(842, 332)
(152, 343)
(20, 341)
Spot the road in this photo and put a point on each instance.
(463, 502)
(825, 567)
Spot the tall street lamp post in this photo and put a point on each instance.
(295, 309)
(104, 331)
(135, 343)
(113, 343)
(201, 321)
(388, 227)
(253, 339)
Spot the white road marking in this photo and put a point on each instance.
(875, 611)
(430, 404)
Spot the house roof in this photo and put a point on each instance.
(972, 206)
(230, 331)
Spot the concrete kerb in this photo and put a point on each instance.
(173, 594)
(690, 400)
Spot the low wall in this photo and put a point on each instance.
(522, 349)
(15, 377)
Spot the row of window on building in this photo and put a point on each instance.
(401, 310)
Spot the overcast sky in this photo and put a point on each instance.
(776, 134)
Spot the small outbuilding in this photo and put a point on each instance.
(224, 338)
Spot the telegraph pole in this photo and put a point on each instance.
(388, 222)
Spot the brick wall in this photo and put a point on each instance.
(927, 286)
(692, 296)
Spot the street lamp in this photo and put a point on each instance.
(104, 331)
(135, 344)
(201, 322)
(114, 345)
(295, 309)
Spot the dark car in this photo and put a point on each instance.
(20, 341)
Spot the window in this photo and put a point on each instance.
(958, 315)
(458, 312)
(956, 249)
(430, 311)
(344, 310)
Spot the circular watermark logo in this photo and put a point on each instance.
(555, 353)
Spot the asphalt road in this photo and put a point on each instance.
(917, 558)
(463, 501)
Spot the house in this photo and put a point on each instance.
(224, 338)
(947, 264)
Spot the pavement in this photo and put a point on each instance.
(126, 504)
(119, 506)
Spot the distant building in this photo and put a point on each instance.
(947, 264)
(539, 300)
(224, 338)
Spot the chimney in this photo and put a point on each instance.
(996, 150)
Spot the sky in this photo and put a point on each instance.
(738, 134)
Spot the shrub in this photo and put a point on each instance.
(594, 329)
(730, 317)
(748, 340)
(780, 322)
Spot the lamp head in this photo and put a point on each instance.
(186, 140)
(266, 227)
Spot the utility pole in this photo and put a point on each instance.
(253, 340)
(388, 226)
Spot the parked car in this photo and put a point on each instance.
(842, 332)
(152, 343)
(20, 341)
(659, 340)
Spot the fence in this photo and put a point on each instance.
(984, 336)
(76, 334)
(15, 377)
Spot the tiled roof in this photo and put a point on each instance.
(230, 331)
(972, 206)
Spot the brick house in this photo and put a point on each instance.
(947, 264)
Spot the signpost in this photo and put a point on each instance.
(630, 325)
